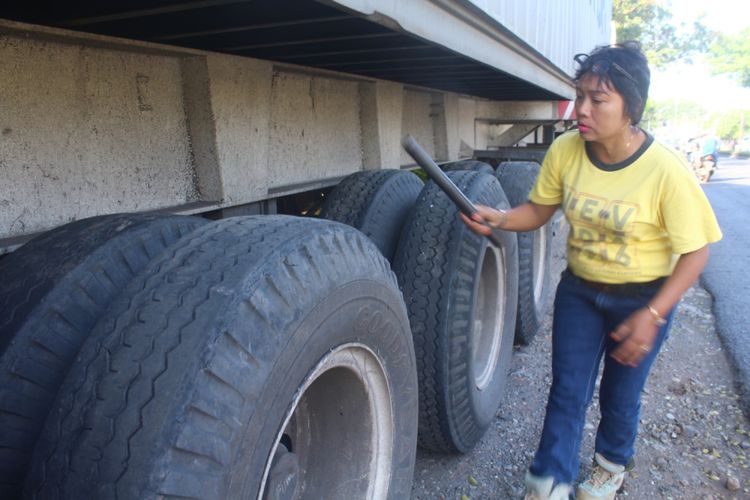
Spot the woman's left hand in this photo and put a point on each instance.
(636, 336)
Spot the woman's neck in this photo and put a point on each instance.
(618, 148)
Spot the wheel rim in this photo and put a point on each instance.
(337, 437)
(538, 271)
(489, 311)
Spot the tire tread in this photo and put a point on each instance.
(375, 202)
(49, 324)
(517, 179)
(435, 278)
(116, 406)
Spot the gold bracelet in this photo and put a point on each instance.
(658, 319)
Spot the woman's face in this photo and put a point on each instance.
(600, 109)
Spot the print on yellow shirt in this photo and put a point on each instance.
(600, 229)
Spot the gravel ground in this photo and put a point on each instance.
(694, 441)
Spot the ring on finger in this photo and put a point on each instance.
(644, 347)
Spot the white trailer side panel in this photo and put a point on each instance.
(554, 28)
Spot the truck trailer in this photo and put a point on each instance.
(220, 274)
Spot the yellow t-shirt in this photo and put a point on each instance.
(627, 221)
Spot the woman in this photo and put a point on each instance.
(639, 233)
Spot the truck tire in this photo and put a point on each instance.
(534, 252)
(262, 352)
(54, 289)
(473, 165)
(461, 294)
(376, 202)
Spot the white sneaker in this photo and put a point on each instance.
(606, 478)
(544, 488)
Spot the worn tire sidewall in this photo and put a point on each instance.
(454, 384)
(484, 402)
(345, 316)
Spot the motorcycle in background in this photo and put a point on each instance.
(704, 167)
(702, 156)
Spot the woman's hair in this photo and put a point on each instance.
(624, 67)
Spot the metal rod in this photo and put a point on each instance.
(463, 203)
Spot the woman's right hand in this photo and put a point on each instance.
(484, 220)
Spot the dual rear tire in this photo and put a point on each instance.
(467, 300)
(461, 293)
(534, 247)
(54, 291)
(240, 362)
(273, 344)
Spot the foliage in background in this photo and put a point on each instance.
(733, 124)
(731, 55)
(664, 41)
(681, 111)
(652, 24)
(688, 118)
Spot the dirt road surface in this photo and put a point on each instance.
(694, 441)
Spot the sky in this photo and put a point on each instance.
(689, 81)
(729, 16)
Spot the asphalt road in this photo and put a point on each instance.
(727, 275)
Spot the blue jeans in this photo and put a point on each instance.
(583, 319)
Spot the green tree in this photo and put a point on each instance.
(733, 124)
(674, 112)
(731, 55)
(652, 24)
